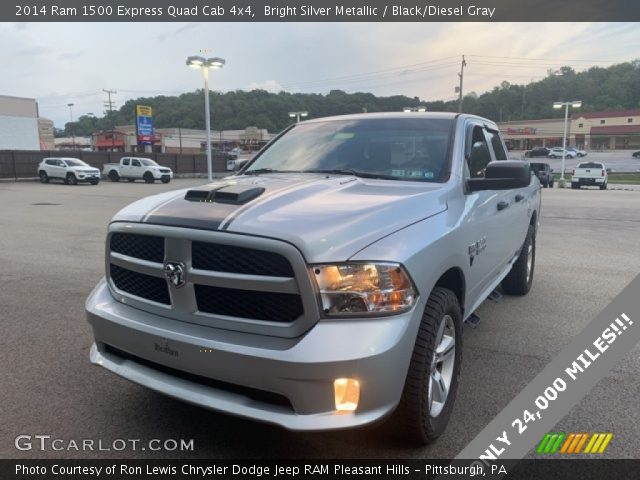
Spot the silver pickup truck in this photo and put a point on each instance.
(326, 284)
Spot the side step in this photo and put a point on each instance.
(472, 321)
(495, 296)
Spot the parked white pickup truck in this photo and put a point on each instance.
(135, 168)
(589, 173)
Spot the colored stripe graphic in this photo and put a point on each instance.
(573, 443)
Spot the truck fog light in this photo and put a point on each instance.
(347, 394)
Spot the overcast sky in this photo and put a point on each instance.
(59, 63)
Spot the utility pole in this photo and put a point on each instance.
(461, 75)
(73, 133)
(109, 105)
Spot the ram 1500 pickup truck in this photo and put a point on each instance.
(135, 168)
(325, 285)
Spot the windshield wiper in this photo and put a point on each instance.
(355, 173)
(258, 171)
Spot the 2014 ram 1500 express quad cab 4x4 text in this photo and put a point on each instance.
(325, 285)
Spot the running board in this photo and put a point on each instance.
(495, 296)
(472, 320)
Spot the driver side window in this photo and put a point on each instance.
(479, 154)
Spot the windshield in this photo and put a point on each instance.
(397, 148)
(75, 163)
(148, 163)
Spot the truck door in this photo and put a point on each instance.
(515, 204)
(136, 168)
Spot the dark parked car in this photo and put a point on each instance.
(537, 152)
(636, 154)
(544, 173)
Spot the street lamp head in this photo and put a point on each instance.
(576, 103)
(215, 62)
(304, 114)
(292, 114)
(557, 105)
(195, 61)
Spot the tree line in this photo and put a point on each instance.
(612, 88)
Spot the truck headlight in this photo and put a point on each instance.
(351, 289)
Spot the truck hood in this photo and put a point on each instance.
(328, 217)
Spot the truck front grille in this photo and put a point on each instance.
(145, 247)
(217, 279)
(268, 306)
(140, 285)
(246, 261)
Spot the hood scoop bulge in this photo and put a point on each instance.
(229, 194)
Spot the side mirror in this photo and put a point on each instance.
(502, 175)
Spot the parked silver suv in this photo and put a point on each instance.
(325, 285)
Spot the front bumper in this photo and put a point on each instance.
(376, 352)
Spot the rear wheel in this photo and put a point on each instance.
(575, 186)
(520, 278)
(432, 380)
(70, 179)
(148, 177)
(44, 178)
(114, 176)
(603, 186)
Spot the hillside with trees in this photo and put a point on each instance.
(613, 88)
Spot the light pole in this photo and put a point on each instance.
(204, 64)
(558, 105)
(73, 136)
(297, 115)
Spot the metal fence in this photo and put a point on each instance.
(23, 163)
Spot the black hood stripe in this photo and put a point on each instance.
(179, 212)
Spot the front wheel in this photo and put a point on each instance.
(520, 278)
(70, 179)
(166, 180)
(148, 177)
(432, 380)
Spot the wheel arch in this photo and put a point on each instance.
(453, 279)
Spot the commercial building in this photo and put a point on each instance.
(19, 123)
(45, 132)
(589, 130)
(179, 140)
(607, 130)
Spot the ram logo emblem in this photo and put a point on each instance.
(174, 272)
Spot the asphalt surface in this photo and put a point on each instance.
(51, 256)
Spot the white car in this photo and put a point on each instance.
(579, 152)
(69, 170)
(136, 168)
(556, 152)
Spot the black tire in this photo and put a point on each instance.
(603, 186)
(44, 178)
(520, 278)
(114, 176)
(575, 186)
(94, 182)
(70, 179)
(414, 413)
(131, 180)
(148, 177)
(166, 180)
(551, 185)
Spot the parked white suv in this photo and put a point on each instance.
(556, 152)
(70, 170)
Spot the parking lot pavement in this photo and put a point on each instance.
(51, 252)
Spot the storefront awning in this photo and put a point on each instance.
(616, 130)
(109, 143)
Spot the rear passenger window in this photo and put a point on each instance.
(496, 143)
(479, 155)
(51, 162)
(135, 163)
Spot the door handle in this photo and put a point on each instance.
(502, 205)
(519, 197)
